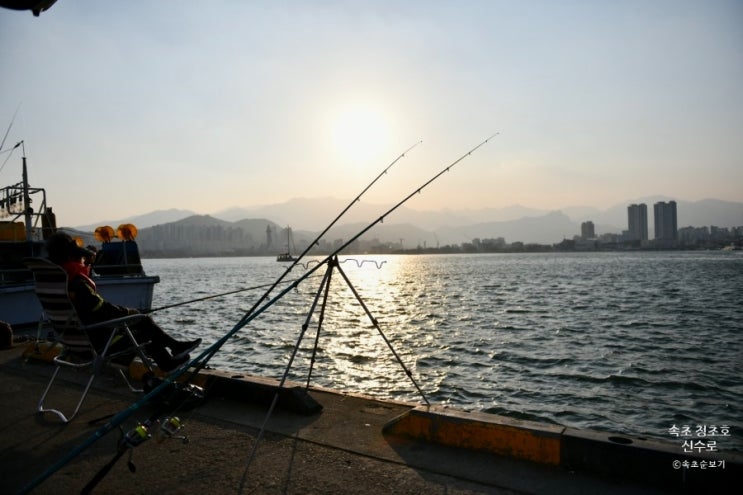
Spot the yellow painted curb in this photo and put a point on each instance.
(137, 370)
(43, 351)
(518, 439)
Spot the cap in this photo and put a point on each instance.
(62, 247)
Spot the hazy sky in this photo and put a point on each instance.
(128, 107)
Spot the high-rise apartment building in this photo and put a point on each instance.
(666, 227)
(587, 230)
(637, 219)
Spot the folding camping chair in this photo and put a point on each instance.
(78, 351)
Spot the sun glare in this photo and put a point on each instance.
(360, 133)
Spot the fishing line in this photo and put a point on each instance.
(315, 242)
(206, 298)
(10, 154)
(7, 131)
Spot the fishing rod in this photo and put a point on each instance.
(315, 242)
(333, 222)
(257, 311)
(162, 424)
(209, 352)
(201, 359)
(330, 260)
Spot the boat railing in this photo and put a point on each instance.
(21, 221)
(118, 269)
(12, 254)
(11, 276)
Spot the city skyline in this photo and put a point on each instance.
(129, 108)
(209, 236)
(700, 220)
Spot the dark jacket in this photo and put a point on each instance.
(90, 306)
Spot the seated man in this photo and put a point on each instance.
(92, 308)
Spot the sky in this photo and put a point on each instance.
(129, 107)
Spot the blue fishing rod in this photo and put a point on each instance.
(201, 360)
(256, 311)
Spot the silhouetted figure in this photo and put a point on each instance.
(92, 308)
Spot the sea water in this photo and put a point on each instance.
(634, 343)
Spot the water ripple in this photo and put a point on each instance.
(623, 342)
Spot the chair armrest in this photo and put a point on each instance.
(124, 320)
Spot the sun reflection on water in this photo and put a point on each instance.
(351, 352)
(562, 338)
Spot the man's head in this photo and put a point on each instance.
(62, 247)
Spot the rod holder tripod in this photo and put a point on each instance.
(324, 289)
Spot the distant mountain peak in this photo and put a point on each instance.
(144, 220)
(513, 222)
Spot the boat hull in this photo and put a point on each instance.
(20, 307)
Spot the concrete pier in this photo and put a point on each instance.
(324, 442)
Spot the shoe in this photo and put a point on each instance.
(184, 348)
(173, 363)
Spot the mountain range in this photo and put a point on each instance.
(308, 216)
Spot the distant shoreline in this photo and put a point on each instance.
(528, 248)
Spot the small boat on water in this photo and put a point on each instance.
(26, 221)
(287, 256)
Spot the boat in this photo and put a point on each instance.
(26, 221)
(287, 256)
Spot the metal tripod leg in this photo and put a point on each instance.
(376, 325)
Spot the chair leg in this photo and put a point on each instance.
(65, 419)
(128, 383)
(97, 366)
(139, 349)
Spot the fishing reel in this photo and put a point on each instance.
(135, 437)
(169, 427)
(175, 396)
(161, 429)
(164, 424)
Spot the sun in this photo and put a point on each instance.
(360, 133)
